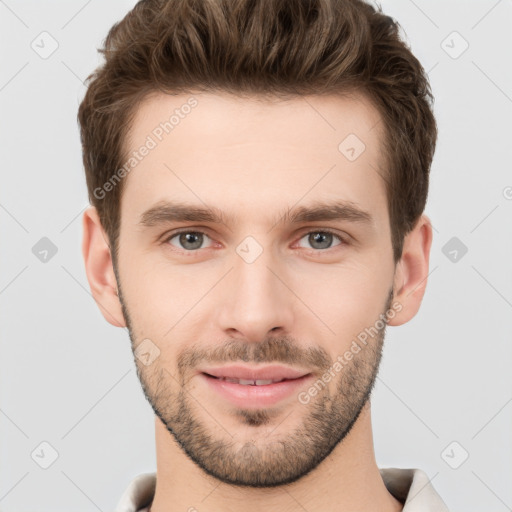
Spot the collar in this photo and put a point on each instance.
(410, 486)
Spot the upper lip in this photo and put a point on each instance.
(274, 372)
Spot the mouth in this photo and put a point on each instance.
(249, 382)
(254, 387)
(255, 375)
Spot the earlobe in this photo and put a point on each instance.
(99, 268)
(412, 271)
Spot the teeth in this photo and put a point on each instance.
(247, 382)
(251, 382)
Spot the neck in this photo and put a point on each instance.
(348, 479)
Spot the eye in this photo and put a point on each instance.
(192, 241)
(188, 240)
(322, 239)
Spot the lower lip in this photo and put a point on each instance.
(250, 397)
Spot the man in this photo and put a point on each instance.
(258, 172)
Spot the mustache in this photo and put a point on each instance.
(272, 350)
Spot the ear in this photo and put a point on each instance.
(99, 268)
(412, 270)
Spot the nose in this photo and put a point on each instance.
(256, 299)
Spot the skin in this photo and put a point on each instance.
(299, 303)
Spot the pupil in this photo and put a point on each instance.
(187, 238)
(317, 238)
(321, 237)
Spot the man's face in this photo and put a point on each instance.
(257, 289)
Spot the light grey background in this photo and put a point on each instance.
(68, 377)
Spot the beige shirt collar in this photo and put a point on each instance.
(410, 486)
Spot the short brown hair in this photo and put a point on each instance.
(265, 47)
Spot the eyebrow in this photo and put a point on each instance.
(168, 211)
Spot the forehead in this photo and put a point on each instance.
(253, 155)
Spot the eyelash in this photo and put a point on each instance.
(168, 237)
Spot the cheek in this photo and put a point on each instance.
(160, 296)
(344, 300)
(338, 299)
